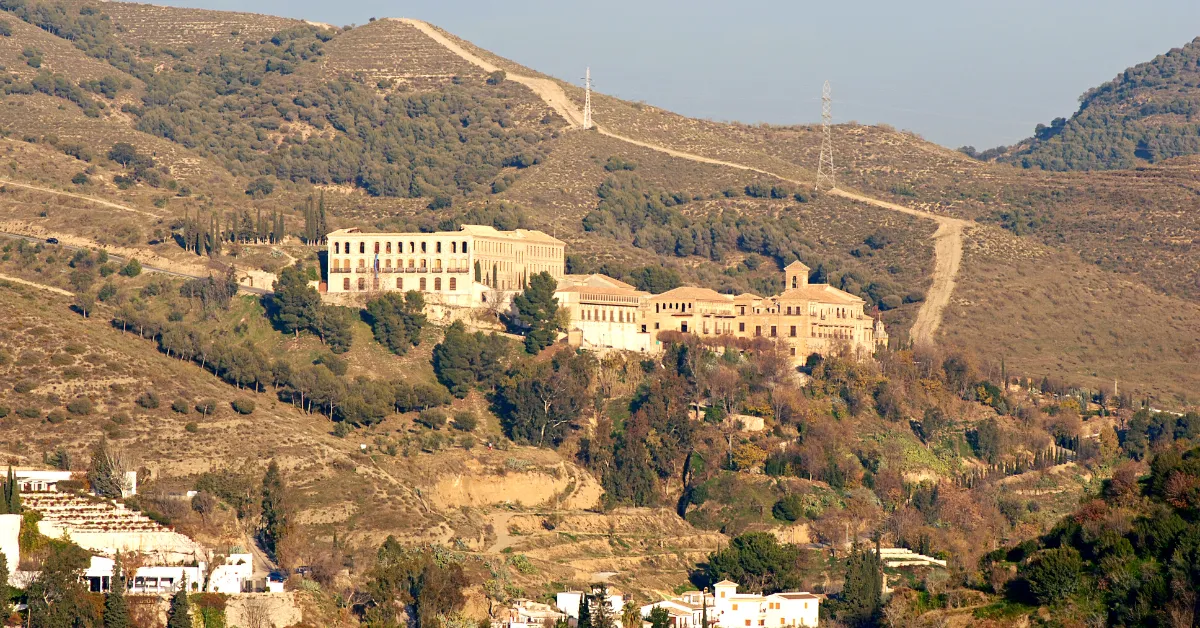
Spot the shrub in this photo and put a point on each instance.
(790, 508)
(4, 411)
(341, 429)
(243, 406)
(181, 406)
(333, 363)
(30, 413)
(890, 302)
(24, 386)
(56, 417)
(261, 186)
(148, 400)
(1053, 574)
(132, 269)
(80, 178)
(432, 418)
(81, 406)
(496, 78)
(206, 406)
(191, 427)
(465, 421)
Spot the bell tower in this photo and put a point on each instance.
(795, 275)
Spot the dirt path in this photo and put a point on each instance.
(504, 539)
(947, 239)
(39, 286)
(90, 199)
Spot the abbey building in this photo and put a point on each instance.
(480, 266)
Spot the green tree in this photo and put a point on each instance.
(11, 494)
(57, 596)
(1053, 574)
(537, 312)
(180, 615)
(116, 609)
(294, 305)
(334, 328)
(452, 358)
(758, 561)
(403, 577)
(540, 401)
(660, 617)
(132, 268)
(602, 616)
(5, 592)
(862, 594)
(276, 516)
(585, 612)
(397, 320)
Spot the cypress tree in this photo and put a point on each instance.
(275, 524)
(116, 610)
(5, 592)
(179, 616)
(862, 595)
(585, 612)
(11, 494)
(322, 227)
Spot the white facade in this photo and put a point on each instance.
(568, 603)
(10, 546)
(150, 580)
(778, 610)
(232, 577)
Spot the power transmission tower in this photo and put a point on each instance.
(587, 99)
(825, 165)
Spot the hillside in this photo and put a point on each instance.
(1146, 114)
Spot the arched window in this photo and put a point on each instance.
(377, 248)
(389, 247)
(423, 249)
(453, 283)
(362, 283)
(438, 247)
(453, 247)
(337, 248)
(422, 284)
(437, 283)
(362, 247)
(464, 246)
(399, 283)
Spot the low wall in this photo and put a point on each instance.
(263, 610)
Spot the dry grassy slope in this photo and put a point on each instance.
(390, 49)
(58, 55)
(189, 32)
(1047, 313)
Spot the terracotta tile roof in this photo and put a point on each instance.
(821, 293)
(693, 293)
(596, 279)
(626, 292)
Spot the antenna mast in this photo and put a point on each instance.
(825, 165)
(587, 99)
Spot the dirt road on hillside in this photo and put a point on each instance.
(947, 238)
(90, 199)
(33, 284)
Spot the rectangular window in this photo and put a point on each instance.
(758, 330)
(377, 248)
(793, 352)
(399, 283)
(337, 248)
(422, 284)
(793, 331)
(438, 247)
(735, 607)
(422, 247)
(362, 283)
(772, 331)
(742, 327)
(453, 283)
(345, 283)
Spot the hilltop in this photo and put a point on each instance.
(1146, 114)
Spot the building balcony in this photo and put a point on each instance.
(338, 270)
(437, 270)
(422, 270)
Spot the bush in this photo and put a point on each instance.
(56, 416)
(132, 269)
(30, 413)
(182, 406)
(148, 400)
(24, 386)
(1053, 574)
(890, 302)
(432, 418)
(790, 508)
(206, 406)
(81, 406)
(191, 428)
(496, 78)
(4, 411)
(261, 186)
(243, 406)
(465, 421)
(335, 364)
(80, 178)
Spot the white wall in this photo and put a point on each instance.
(10, 532)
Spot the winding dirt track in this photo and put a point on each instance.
(948, 239)
(90, 199)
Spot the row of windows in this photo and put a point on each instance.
(608, 316)
(422, 284)
(453, 264)
(340, 248)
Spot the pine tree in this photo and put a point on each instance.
(5, 592)
(585, 612)
(275, 516)
(601, 613)
(179, 616)
(537, 312)
(116, 609)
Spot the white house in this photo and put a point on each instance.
(751, 610)
(568, 602)
(152, 580)
(232, 576)
(528, 614)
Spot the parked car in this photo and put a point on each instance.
(51, 240)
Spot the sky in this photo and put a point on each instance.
(956, 72)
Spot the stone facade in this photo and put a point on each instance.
(449, 267)
(479, 266)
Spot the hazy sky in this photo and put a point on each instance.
(957, 72)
